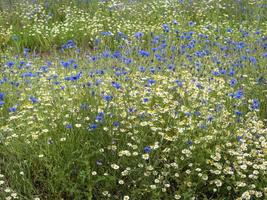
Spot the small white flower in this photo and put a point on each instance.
(246, 195)
(126, 198)
(7, 190)
(14, 195)
(218, 183)
(78, 125)
(105, 193)
(94, 173)
(205, 177)
(153, 187)
(114, 166)
(45, 130)
(145, 156)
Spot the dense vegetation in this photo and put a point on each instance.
(50, 23)
(133, 99)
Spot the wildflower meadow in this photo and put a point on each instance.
(133, 99)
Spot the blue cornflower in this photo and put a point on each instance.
(12, 109)
(203, 126)
(116, 85)
(65, 64)
(253, 60)
(56, 82)
(73, 77)
(127, 61)
(107, 98)
(106, 54)
(131, 110)
(138, 35)
(70, 44)
(2, 95)
(222, 71)
(255, 104)
(147, 149)
(179, 83)
(69, 126)
(232, 73)
(33, 99)
(100, 116)
(151, 81)
(142, 69)
(106, 33)
(198, 85)
(99, 162)
(191, 23)
(210, 118)
(199, 54)
(239, 94)
(238, 113)
(239, 138)
(44, 68)
(264, 55)
(165, 28)
(229, 30)
(2, 103)
(117, 54)
(215, 73)
(233, 82)
(189, 142)
(10, 64)
(26, 50)
(240, 45)
(158, 57)
(145, 100)
(144, 53)
(188, 114)
(171, 67)
(28, 74)
(197, 113)
(92, 126)
(116, 124)
(152, 70)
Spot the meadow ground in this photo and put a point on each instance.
(142, 100)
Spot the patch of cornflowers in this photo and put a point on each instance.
(46, 24)
(182, 118)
